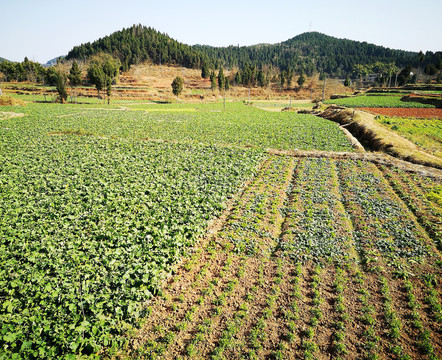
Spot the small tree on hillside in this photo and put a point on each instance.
(103, 72)
(227, 85)
(61, 87)
(238, 79)
(75, 77)
(301, 79)
(177, 86)
(281, 79)
(205, 71)
(221, 79)
(212, 80)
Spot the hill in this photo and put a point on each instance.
(53, 61)
(139, 43)
(310, 52)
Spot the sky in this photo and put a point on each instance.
(43, 30)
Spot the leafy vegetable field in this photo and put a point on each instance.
(313, 258)
(239, 125)
(375, 101)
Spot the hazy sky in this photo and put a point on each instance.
(42, 30)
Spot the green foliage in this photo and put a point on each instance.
(205, 73)
(24, 71)
(139, 43)
(212, 80)
(435, 195)
(75, 74)
(377, 101)
(103, 71)
(177, 85)
(91, 225)
(301, 79)
(427, 133)
(61, 87)
(221, 79)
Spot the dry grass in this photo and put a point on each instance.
(9, 101)
(377, 137)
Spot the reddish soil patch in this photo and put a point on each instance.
(407, 112)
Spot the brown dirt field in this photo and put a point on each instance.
(407, 112)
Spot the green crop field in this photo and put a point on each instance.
(426, 133)
(374, 101)
(108, 248)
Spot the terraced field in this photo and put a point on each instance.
(155, 231)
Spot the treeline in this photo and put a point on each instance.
(24, 71)
(139, 43)
(314, 52)
(308, 53)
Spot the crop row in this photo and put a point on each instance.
(255, 223)
(89, 227)
(384, 227)
(317, 226)
(415, 192)
(237, 302)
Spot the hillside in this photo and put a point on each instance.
(310, 52)
(139, 43)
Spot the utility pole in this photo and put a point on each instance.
(290, 102)
(249, 94)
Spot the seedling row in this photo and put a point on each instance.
(375, 295)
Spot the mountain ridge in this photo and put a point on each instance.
(308, 52)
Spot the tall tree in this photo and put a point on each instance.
(75, 77)
(221, 79)
(238, 79)
(212, 80)
(61, 87)
(301, 79)
(261, 78)
(205, 71)
(281, 79)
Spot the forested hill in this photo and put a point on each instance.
(139, 43)
(308, 52)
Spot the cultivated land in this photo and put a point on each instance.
(145, 230)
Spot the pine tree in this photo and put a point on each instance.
(205, 71)
(281, 79)
(221, 79)
(212, 80)
(61, 87)
(227, 84)
(301, 79)
(261, 78)
(75, 77)
(238, 79)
